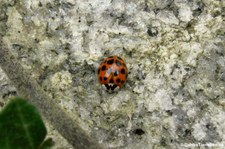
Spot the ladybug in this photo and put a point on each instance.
(112, 72)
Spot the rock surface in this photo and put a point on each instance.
(174, 50)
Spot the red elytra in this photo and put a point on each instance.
(113, 72)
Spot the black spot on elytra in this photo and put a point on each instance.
(100, 78)
(123, 71)
(116, 73)
(118, 63)
(111, 81)
(122, 81)
(105, 78)
(118, 80)
(103, 67)
(110, 61)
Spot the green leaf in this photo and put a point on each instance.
(47, 144)
(21, 126)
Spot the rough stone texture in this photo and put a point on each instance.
(7, 90)
(174, 50)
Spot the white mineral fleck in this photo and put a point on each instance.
(167, 17)
(61, 80)
(198, 131)
(185, 13)
(160, 101)
(195, 50)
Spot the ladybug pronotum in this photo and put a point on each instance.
(112, 72)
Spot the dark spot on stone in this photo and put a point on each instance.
(7, 94)
(170, 113)
(1, 104)
(103, 67)
(199, 90)
(84, 74)
(209, 85)
(118, 80)
(118, 63)
(116, 73)
(187, 132)
(176, 66)
(187, 69)
(156, 10)
(100, 78)
(105, 78)
(209, 126)
(199, 10)
(123, 71)
(163, 142)
(110, 61)
(152, 32)
(17, 46)
(111, 81)
(139, 131)
(40, 4)
(36, 40)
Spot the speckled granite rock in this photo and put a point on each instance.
(7, 90)
(174, 49)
